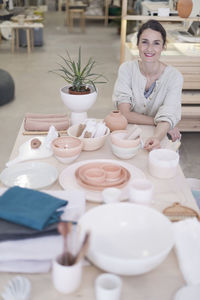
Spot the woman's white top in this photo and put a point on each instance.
(164, 103)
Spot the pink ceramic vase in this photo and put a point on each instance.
(115, 121)
(184, 8)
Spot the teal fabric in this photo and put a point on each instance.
(30, 208)
(196, 195)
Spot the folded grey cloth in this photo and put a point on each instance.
(11, 231)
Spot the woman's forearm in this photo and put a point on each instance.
(161, 130)
(133, 117)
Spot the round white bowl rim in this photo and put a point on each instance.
(66, 87)
(138, 208)
(87, 139)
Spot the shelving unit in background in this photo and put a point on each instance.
(104, 17)
(187, 62)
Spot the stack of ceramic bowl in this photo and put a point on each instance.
(89, 144)
(123, 147)
(67, 149)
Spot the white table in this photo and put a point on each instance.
(161, 283)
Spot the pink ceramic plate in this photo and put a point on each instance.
(118, 182)
(81, 172)
(67, 178)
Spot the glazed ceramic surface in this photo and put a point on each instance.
(78, 104)
(116, 121)
(141, 191)
(89, 144)
(107, 175)
(108, 287)
(66, 146)
(66, 279)
(184, 8)
(130, 240)
(163, 163)
(125, 153)
(117, 138)
(67, 178)
(33, 175)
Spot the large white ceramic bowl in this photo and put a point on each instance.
(163, 163)
(126, 238)
(89, 144)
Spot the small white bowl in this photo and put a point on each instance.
(124, 153)
(111, 195)
(163, 163)
(89, 144)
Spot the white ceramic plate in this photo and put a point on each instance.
(191, 292)
(27, 153)
(67, 178)
(33, 175)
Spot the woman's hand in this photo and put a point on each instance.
(152, 143)
(175, 134)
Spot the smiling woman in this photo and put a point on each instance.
(147, 91)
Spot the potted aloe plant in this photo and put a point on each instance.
(80, 93)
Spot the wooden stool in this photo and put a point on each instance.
(29, 38)
(72, 12)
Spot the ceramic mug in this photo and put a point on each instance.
(111, 195)
(141, 191)
(108, 287)
(66, 279)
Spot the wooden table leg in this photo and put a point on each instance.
(28, 40)
(17, 38)
(13, 41)
(71, 21)
(83, 21)
(32, 37)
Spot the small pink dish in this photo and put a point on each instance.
(95, 175)
(66, 149)
(112, 171)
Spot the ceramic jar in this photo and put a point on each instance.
(184, 8)
(116, 121)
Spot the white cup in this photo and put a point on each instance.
(141, 191)
(66, 279)
(108, 287)
(111, 195)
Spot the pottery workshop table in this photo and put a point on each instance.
(162, 282)
(28, 27)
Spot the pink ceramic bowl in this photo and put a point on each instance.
(112, 171)
(95, 175)
(89, 144)
(66, 147)
(118, 139)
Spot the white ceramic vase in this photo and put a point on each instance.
(78, 104)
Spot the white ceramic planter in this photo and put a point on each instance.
(78, 104)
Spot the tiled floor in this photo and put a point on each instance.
(37, 90)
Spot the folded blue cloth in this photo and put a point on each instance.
(30, 208)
